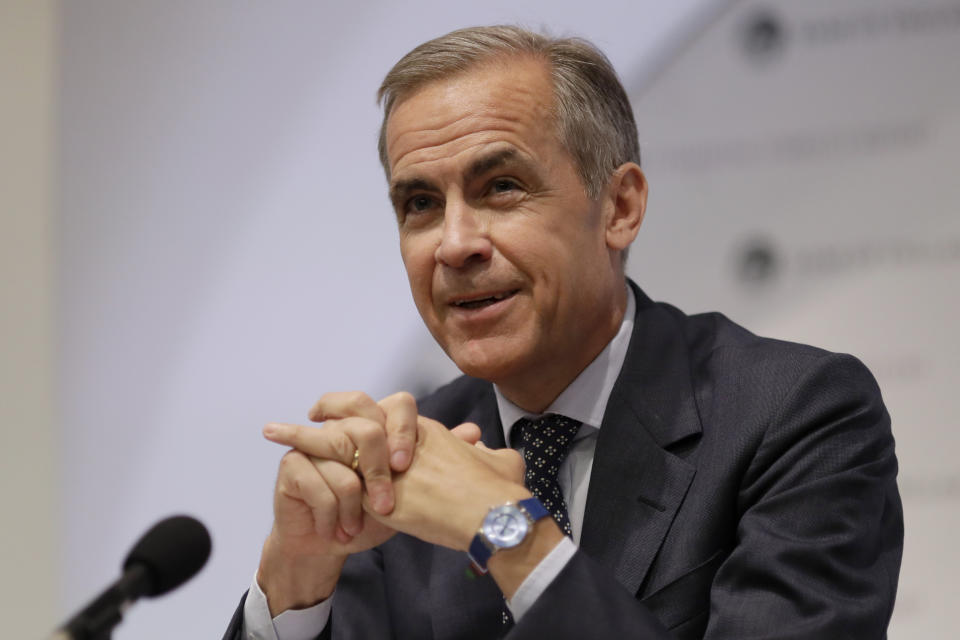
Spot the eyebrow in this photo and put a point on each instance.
(400, 189)
(483, 164)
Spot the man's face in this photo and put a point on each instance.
(506, 255)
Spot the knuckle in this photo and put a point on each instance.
(344, 404)
(316, 411)
(401, 398)
(289, 460)
(376, 475)
(520, 469)
(515, 463)
(324, 501)
(405, 429)
(513, 455)
(303, 487)
(355, 400)
(405, 435)
(320, 409)
(330, 397)
(297, 436)
(343, 447)
(348, 484)
(325, 519)
(367, 433)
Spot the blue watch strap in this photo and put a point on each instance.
(479, 553)
(480, 550)
(534, 508)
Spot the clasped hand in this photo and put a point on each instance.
(414, 475)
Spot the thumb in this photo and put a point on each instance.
(507, 462)
(468, 432)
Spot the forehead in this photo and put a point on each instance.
(508, 101)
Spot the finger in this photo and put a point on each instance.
(348, 490)
(507, 462)
(468, 432)
(371, 442)
(346, 404)
(339, 440)
(299, 481)
(401, 426)
(326, 443)
(429, 424)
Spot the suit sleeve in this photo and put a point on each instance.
(818, 540)
(235, 628)
(362, 613)
(820, 537)
(365, 614)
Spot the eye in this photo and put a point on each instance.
(502, 185)
(419, 204)
(504, 192)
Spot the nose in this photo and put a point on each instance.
(466, 237)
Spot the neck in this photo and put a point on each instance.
(535, 390)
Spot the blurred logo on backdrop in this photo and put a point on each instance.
(757, 262)
(763, 35)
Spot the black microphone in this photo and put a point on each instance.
(165, 557)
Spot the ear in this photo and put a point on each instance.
(628, 200)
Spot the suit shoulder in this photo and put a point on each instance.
(724, 350)
(714, 336)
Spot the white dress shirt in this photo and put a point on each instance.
(585, 399)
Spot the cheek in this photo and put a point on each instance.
(418, 260)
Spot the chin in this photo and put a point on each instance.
(484, 361)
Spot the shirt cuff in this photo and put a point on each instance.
(540, 578)
(293, 624)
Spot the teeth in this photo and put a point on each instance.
(476, 302)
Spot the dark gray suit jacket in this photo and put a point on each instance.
(742, 488)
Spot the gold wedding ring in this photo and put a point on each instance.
(356, 460)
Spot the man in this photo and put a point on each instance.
(684, 478)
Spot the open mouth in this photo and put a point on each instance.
(486, 301)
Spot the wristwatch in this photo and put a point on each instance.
(504, 527)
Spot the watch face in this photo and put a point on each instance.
(506, 526)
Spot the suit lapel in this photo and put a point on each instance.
(460, 602)
(636, 486)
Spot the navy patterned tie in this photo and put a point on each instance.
(545, 443)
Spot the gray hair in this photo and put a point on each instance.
(591, 112)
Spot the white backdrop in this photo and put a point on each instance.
(228, 253)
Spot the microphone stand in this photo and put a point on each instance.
(97, 620)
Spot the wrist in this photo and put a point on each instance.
(481, 506)
(293, 580)
(510, 567)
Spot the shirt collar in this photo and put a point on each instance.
(584, 399)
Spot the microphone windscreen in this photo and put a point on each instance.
(172, 552)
